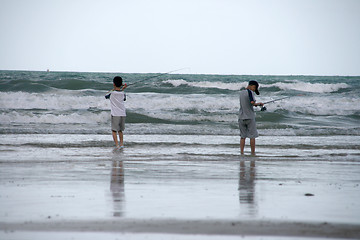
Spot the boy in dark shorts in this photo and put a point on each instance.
(247, 124)
(118, 112)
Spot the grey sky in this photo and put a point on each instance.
(316, 37)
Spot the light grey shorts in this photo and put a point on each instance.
(248, 128)
(117, 123)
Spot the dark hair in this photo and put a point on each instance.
(256, 84)
(118, 81)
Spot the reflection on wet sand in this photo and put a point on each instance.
(117, 186)
(246, 189)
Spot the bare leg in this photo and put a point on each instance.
(242, 145)
(252, 145)
(121, 136)
(115, 138)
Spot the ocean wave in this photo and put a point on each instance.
(207, 84)
(167, 107)
(51, 101)
(40, 86)
(318, 105)
(307, 86)
(292, 85)
(183, 102)
(33, 102)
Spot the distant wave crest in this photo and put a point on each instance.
(207, 84)
(308, 87)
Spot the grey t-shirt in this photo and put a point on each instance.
(246, 108)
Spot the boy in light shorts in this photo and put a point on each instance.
(247, 124)
(118, 112)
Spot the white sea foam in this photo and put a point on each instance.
(220, 104)
(154, 102)
(206, 84)
(50, 101)
(308, 87)
(51, 118)
(318, 105)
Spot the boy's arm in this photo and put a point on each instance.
(253, 101)
(122, 89)
(107, 96)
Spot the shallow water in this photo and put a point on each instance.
(68, 176)
(61, 147)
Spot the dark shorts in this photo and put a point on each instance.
(248, 128)
(117, 123)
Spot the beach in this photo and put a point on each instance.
(181, 174)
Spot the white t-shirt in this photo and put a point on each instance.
(117, 104)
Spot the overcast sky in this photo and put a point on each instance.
(311, 37)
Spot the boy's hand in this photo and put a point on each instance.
(123, 87)
(255, 104)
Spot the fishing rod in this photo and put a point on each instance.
(278, 99)
(263, 108)
(161, 74)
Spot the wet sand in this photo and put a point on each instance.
(192, 227)
(49, 190)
